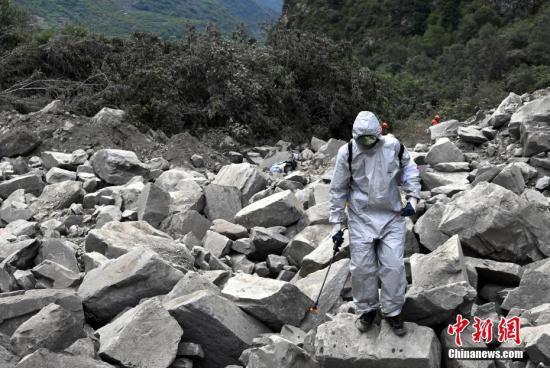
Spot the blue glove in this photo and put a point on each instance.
(338, 240)
(408, 210)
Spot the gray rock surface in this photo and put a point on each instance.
(439, 284)
(31, 183)
(203, 315)
(145, 336)
(117, 238)
(271, 301)
(53, 328)
(244, 176)
(44, 358)
(123, 282)
(153, 204)
(338, 343)
(222, 201)
(281, 208)
(116, 166)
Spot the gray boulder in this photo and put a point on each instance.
(58, 196)
(433, 179)
(44, 358)
(182, 223)
(188, 196)
(57, 175)
(537, 343)
(153, 204)
(338, 343)
(222, 201)
(123, 282)
(17, 308)
(116, 166)
(218, 245)
(533, 119)
(497, 224)
(53, 328)
(511, 178)
(55, 275)
(278, 352)
(244, 176)
(191, 282)
(445, 129)
(472, 134)
(145, 336)
(173, 180)
(232, 231)
(504, 111)
(203, 315)
(439, 284)
(273, 302)
(532, 290)
(444, 151)
(60, 251)
(503, 273)
(117, 238)
(279, 209)
(51, 159)
(15, 207)
(108, 116)
(32, 183)
(18, 142)
(305, 242)
(266, 241)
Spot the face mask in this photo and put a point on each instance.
(367, 140)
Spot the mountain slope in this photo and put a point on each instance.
(169, 18)
(446, 56)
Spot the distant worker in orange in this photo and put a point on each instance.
(385, 128)
(436, 120)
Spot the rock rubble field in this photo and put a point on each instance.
(112, 257)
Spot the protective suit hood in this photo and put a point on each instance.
(366, 123)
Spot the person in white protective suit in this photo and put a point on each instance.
(376, 217)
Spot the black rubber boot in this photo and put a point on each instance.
(397, 325)
(365, 321)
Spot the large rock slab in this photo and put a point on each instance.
(511, 178)
(338, 344)
(145, 336)
(497, 224)
(18, 308)
(246, 177)
(445, 129)
(444, 151)
(58, 196)
(60, 251)
(533, 289)
(305, 242)
(266, 241)
(53, 328)
(537, 343)
(331, 294)
(123, 282)
(117, 238)
(173, 180)
(427, 227)
(279, 209)
(18, 142)
(188, 196)
(203, 315)
(182, 223)
(472, 135)
(32, 183)
(278, 352)
(534, 125)
(153, 204)
(504, 111)
(116, 166)
(44, 358)
(502, 273)
(439, 284)
(271, 301)
(15, 207)
(222, 201)
(432, 179)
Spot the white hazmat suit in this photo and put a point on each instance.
(377, 230)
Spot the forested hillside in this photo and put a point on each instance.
(449, 56)
(169, 18)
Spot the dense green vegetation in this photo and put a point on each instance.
(168, 18)
(446, 56)
(294, 85)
